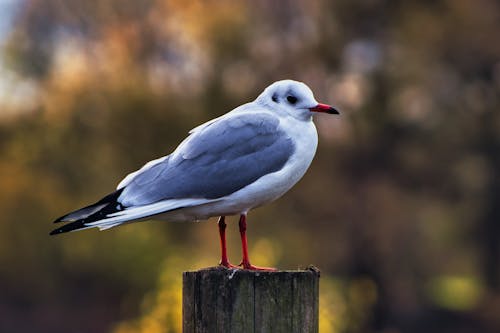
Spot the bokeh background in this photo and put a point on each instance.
(400, 209)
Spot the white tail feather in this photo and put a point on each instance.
(140, 212)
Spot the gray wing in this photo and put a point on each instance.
(216, 161)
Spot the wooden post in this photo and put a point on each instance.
(232, 300)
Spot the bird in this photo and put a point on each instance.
(227, 166)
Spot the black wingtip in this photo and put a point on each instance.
(90, 210)
(68, 227)
(60, 219)
(55, 232)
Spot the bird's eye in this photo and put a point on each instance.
(291, 99)
(274, 98)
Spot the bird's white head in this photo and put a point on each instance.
(294, 98)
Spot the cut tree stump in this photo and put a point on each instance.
(231, 300)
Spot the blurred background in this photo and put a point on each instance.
(400, 209)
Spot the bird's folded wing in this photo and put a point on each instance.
(213, 162)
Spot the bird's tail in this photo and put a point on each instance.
(108, 212)
(80, 218)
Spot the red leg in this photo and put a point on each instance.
(222, 233)
(244, 246)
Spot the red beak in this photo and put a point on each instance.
(325, 108)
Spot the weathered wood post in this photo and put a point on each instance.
(228, 300)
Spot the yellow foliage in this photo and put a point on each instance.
(455, 292)
(332, 306)
(162, 308)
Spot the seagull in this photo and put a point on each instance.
(229, 165)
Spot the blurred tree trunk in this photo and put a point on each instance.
(489, 235)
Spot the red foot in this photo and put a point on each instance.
(245, 262)
(249, 266)
(227, 264)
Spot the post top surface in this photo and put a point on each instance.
(232, 271)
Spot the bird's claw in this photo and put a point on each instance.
(247, 265)
(227, 264)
